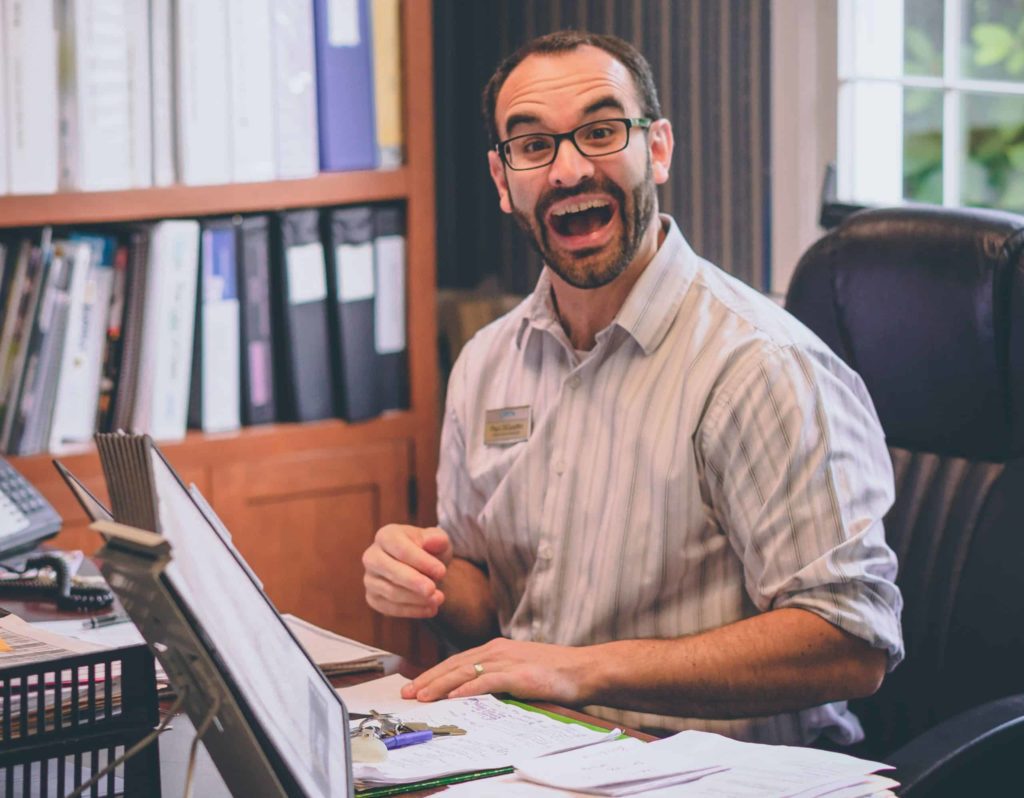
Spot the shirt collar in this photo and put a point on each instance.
(651, 305)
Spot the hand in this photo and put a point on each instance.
(404, 568)
(536, 671)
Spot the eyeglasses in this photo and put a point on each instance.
(594, 139)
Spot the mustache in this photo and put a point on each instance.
(588, 186)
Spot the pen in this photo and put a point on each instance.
(407, 738)
(105, 620)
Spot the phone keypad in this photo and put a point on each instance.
(18, 491)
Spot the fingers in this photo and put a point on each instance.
(400, 576)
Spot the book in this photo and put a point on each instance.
(43, 349)
(389, 308)
(95, 97)
(214, 404)
(127, 350)
(258, 403)
(203, 92)
(251, 81)
(352, 289)
(300, 272)
(30, 50)
(344, 61)
(112, 344)
(77, 393)
(387, 83)
(297, 152)
(4, 110)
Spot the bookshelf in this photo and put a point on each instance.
(301, 500)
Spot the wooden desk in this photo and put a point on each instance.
(174, 744)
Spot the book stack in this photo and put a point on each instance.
(115, 94)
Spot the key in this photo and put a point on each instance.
(446, 730)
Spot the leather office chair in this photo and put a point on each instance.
(927, 305)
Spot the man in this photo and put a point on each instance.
(660, 496)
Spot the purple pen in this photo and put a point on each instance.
(407, 738)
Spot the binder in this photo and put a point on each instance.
(168, 323)
(251, 83)
(203, 92)
(258, 404)
(96, 129)
(140, 96)
(161, 53)
(304, 379)
(4, 110)
(127, 350)
(214, 401)
(30, 47)
(387, 71)
(352, 285)
(114, 343)
(389, 311)
(297, 153)
(347, 119)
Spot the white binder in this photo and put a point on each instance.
(295, 115)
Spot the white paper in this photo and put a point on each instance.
(389, 310)
(496, 733)
(328, 648)
(31, 644)
(619, 768)
(354, 264)
(343, 23)
(307, 275)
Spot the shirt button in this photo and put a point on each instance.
(559, 466)
(574, 381)
(544, 551)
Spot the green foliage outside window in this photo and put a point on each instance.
(993, 125)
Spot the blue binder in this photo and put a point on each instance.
(344, 86)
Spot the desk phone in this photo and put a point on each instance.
(25, 516)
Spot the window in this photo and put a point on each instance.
(931, 102)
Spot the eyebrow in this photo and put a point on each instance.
(601, 104)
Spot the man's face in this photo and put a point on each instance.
(586, 216)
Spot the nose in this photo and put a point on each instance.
(570, 166)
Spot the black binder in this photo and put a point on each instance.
(253, 248)
(351, 285)
(390, 313)
(300, 273)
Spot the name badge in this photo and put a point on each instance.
(507, 425)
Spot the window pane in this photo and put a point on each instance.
(922, 145)
(993, 170)
(922, 37)
(994, 39)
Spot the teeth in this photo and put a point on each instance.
(580, 207)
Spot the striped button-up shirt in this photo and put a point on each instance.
(709, 459)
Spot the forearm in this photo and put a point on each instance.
(467, 614)
(780, 661)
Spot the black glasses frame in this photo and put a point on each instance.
(630, 122)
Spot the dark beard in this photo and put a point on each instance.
(571, 267)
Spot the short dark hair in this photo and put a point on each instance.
(565, 41)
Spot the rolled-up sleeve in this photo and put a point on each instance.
(799, 477)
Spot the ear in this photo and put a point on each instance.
(500, 182)
(661, 143)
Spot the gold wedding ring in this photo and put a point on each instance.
(478, 669)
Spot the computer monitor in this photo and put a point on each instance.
(281, 728)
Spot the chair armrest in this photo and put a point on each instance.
(957, 744)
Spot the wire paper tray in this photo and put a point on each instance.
(78, 696)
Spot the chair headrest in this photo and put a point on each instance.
(927, 305)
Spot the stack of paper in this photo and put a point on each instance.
(707, 765)
(333, 653)
(496, 734)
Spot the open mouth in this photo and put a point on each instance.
(580, 219)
